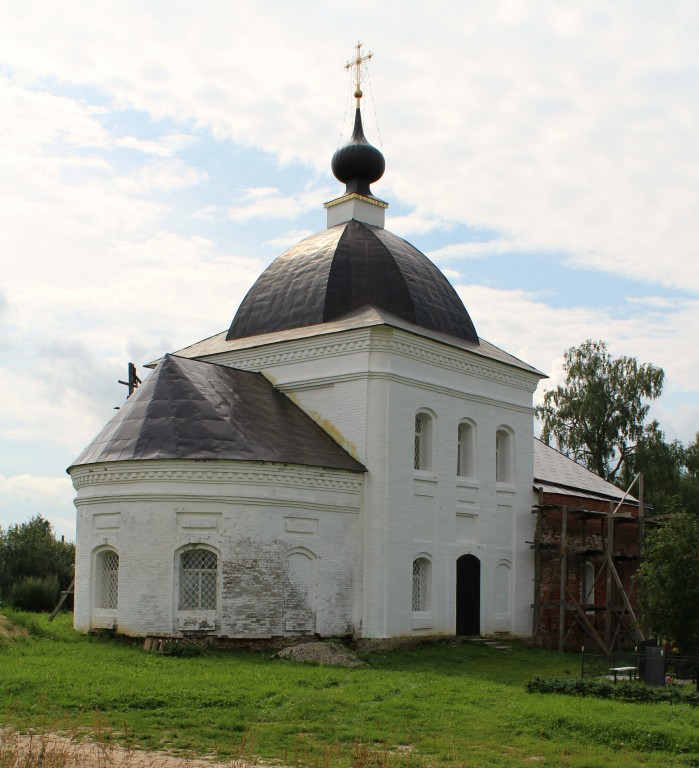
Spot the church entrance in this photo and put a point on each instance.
(468, 595)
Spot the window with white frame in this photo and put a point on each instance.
(108, 579)
(198, 579)
(503, 457)
(423, 442)
(421, 584)
(465, 450)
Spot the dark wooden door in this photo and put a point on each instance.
(468, 595)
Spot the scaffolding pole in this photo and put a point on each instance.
(568, 538)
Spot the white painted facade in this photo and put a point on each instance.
(285, 539)
(304, 550)
(430, 540)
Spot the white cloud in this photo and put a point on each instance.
(568, 128)
(266, 203)
(414, 224)
(163, 175)
(25, 496)
(539, 334)
(165, 146)
(478, 249)
(286, 240)
(565, 129)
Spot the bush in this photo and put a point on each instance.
(603, 689)
(31, 549)
(34, 594)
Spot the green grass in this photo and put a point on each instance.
(430, 706)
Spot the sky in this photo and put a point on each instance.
(155, 157)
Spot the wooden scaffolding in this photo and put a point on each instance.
(585, 560)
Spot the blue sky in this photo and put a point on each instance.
(153, 160)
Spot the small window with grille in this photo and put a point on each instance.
(198, 578)
(421, 584)
(423, 442)
(108, 565)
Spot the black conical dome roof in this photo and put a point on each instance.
(346, 267)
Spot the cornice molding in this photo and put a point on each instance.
(297, 350)
(462, 361)
(379, 338)
(188, 471)
(182, 499)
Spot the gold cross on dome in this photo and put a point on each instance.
(357, 63)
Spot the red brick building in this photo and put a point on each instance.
(587, 546)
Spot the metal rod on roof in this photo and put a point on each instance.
(628, 491)
(133, 381)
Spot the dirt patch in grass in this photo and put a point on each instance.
(322, 653)
(10, 630)
(50, 750)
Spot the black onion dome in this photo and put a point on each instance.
(357, 163)
(349, 266)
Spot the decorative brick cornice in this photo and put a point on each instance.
(454, 359)
(379, 338)
(298, 350)
(186, 499)
(214, 472)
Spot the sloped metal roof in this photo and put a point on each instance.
(559, 474)
(188, 409)
(343, 268)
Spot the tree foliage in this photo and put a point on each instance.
(31, 550)
(597, 416)
(670, 470)
(662, 465)
(668, 581)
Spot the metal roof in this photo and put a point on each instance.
(343, 268)
(557, 473)
(188, 409)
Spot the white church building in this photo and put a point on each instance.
(349, 459)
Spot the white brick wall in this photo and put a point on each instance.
(365, 387)
(360, 534)
(252, 515)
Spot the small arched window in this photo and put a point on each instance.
(504, 470)
(108, 579)
(423, 442)
(465, 450)
(198, 579)
(421, 584)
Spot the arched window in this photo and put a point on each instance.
(504, 471)
(421, 584)
(107, 579)
(423, 441)
(465, 450)
(198, 579)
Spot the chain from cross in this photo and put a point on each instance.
(357, 63)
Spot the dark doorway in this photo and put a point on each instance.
(468, 595)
